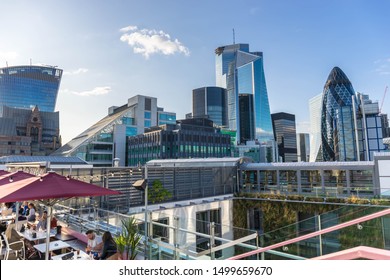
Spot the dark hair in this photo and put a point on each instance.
(21, 210)
(107, 237)
(89, 231)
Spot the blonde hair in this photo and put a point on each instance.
(8, 231)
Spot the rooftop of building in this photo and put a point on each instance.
(32, 159)
(195, 162)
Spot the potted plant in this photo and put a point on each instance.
(120, 245)
(129, 239)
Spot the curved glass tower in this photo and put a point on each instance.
(242, 74)
(337, 118)
(29, 86)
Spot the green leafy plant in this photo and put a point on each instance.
(157, 193)
(129, 238)
(120, 244)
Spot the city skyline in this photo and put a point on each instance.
(112, 51)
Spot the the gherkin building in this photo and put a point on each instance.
(337, 118)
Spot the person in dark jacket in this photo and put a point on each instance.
(109, 246)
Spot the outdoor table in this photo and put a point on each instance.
(65, 237)
(6, 218)
(27, 234)
(54, 245)
(81, 256)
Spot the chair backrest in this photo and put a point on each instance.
(6, 243)
(14, 242)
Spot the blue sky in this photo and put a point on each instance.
(112, 50)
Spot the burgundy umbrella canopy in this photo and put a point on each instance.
(50, 186)
(13, 177)
(49, 189)
(3, 172)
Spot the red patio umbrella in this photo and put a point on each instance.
(49, 189)
(3, 172)
(8, 177)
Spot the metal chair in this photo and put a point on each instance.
(16, 247)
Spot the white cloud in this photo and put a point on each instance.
(128, 28)
(8, 55)
(384, 67)
(94, 92)
(76, 72)
(147, 42)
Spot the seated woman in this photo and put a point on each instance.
(109, 246)
(31, 215)
(42, 222)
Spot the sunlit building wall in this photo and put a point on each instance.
(315, 104)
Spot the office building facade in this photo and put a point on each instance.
(315, 105)
(210, 102)
(189, 138)
(29, 132)
(29, 86)
(351, 128)
(106, 140)
(285, 136)
(303, 147)
(385, 126)
(242, 74)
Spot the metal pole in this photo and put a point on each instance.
(175, 236)
(146, 212)
(48, 219)
(320, 236)
(212, 240)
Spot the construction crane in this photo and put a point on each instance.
(383, 99)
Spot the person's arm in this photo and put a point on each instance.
(98, 247)
(39, 225)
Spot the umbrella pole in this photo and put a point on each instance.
(17, 212)
(48, 219)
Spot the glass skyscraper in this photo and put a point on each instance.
(337, 118)
(285, 135)
(25, 87)
(210, 102)
(242, 74)
(350, 123)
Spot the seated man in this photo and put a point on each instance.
(95, 243)
(42, 221)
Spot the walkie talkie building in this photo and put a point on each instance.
(28, 86)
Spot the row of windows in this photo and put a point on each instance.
(133, 150)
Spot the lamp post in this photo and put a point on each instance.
(142, 185)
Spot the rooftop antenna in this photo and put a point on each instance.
(234, 37)
(6, 63)
(30, 62)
